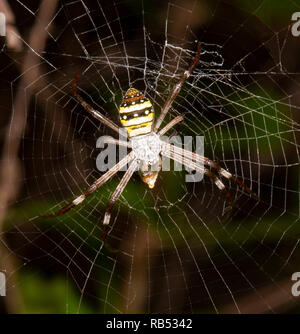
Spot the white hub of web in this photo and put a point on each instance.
(146, 148)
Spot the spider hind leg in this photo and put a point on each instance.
(116, 194)
(99, 182)
(207, 162)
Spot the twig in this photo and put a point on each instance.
(10, 167)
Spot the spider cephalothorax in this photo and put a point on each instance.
(137, 117)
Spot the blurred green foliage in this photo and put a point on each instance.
(58, 293)
(271, 12)
(44, 295)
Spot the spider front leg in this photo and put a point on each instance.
(110, 140)
(177, 89)
(170, 125)
(117, 193)
(104, 178)
(95, 113)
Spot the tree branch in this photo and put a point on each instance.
(11, 167)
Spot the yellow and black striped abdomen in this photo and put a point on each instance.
(136, 113)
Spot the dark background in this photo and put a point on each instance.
(174, 248)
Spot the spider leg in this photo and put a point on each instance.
(117, 193)
(104, 178)
(177, 89)
(197, 157)
(110, 140)
(170, 125)
(193, 165)
(95, 113)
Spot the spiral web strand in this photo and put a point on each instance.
(178, 247)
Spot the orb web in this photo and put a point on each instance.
(175, 248)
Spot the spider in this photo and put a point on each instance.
(137, 117)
